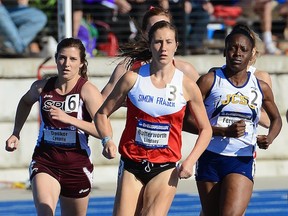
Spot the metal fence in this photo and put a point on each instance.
(103, 29)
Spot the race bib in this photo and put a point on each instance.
(65, 138)
(72, 103)
(171, 92)
(226, 121)
(152, 135)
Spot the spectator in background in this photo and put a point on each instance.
(137, 8)
(176, 8)
(197, 14)
(283, 12)
(77, 8)
(109, 14)
(19, 25)
(136, 13)
(224, 2)
(264, 9)
(191, 18)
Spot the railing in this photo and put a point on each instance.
(107, 32)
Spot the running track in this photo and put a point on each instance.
(263, 203)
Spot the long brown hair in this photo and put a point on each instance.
(74, 42)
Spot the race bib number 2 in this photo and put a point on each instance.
(152, 135)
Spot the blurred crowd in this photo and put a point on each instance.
(29, 28)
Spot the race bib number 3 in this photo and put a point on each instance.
(152, 135)
(171, 92)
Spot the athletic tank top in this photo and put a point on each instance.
(154, 120)
(55, 133)
(227, 104)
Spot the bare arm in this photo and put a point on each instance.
(23, 110)
(198, 111)
(272, 111)
(264, 76)
(118, 72)
(93, 100)
(204, 82)
(187, 68)
(110, 105)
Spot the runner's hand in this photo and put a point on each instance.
(263, 141)
(109, 150)
(12, 143)
(185, 170)
(237, 129)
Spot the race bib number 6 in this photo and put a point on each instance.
(72, 103)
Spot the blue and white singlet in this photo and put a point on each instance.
(227, 104)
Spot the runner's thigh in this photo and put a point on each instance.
(159, 193)
(128, 198)
(236, 191)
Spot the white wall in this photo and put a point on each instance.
(16, 76)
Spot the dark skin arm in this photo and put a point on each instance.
(264, 141)
(188, 123)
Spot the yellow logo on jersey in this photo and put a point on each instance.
(237, 99)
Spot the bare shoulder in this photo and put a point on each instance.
(264, 76)
(188, 82)
(207, 78)
(89, 91)
(213, 69)
(264, 86)
(89, 86)
(131, 76)
(35, 90)
(189, 87)
(38, 85)
(128, 78)
(187, 68)
(119, 70)
(205, 83)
